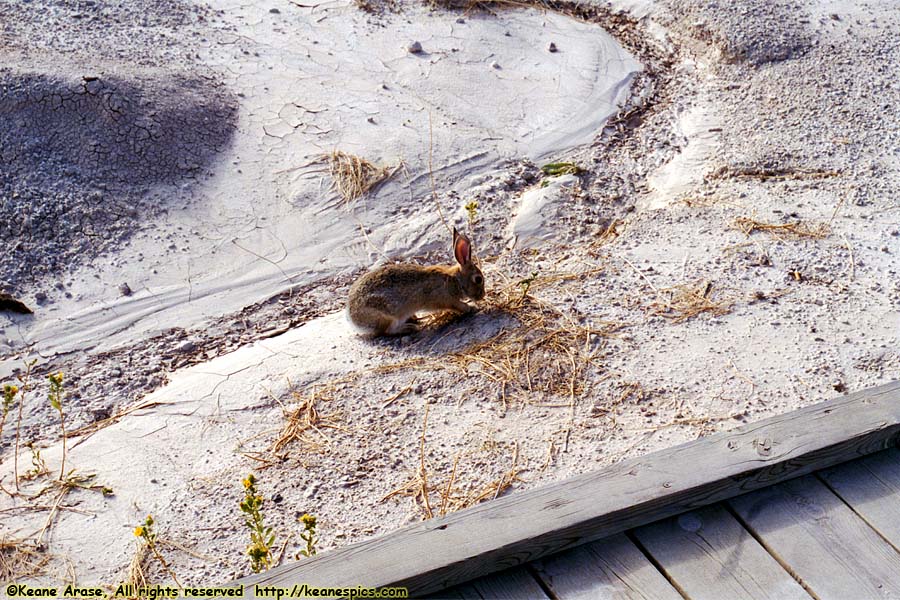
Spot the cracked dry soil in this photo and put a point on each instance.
(789, 320)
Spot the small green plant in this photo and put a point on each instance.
(261, 537)
(38, 466)
(472, 211)
(525, 284)
(9, 400)
(147, 533)
(22, 389)
(561, 168)
(308, 535)
(55, 395)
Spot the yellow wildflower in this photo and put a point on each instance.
(308, 520)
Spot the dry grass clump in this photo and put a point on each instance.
(353, 176)
(793, 230)
(546, 353)
(136, 574)
(621, 393)
(609, 234)
(685, 301)
(21, 559)
(305, 424)
(461, 489)
(465, 495)
(700, 201)
(771, 173)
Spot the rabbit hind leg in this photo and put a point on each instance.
(372, 321)
(402, 327)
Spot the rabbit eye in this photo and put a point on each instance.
(478, 279)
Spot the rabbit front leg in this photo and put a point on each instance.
(462, 307)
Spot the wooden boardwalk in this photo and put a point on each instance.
(832, 534)
(804, 504)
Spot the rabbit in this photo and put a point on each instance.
(385, 301)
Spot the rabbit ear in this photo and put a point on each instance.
(462, 248)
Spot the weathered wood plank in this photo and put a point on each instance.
(709, 555)
(512, 584)
(609, 569)
(522, 527)
(871, 486)
(826, 545)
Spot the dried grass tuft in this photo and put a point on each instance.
(136, 574)
(794, 230)
(353, 176)
(546, 352)
(305, 424)
(21, 559)
(458, 498)
(462, 489)
(685, 301)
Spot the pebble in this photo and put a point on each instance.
(414, 48)
(495, 65)
(274, 11)
(552, 47)
(125, 289)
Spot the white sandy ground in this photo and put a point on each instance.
(311, 80)
(787, 342)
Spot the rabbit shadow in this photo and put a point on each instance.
(447, 333)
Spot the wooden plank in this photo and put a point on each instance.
(709, 555)
(610, 569)
(522, 527)
(512, 584)
(833, 552)
(871, 486)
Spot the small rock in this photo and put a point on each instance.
(495, 65)
(414, 48)
(311, 491)
(125, 289)
(274, 11)
(40, 297)
(186, 346)
(277, 498)
(552, 47)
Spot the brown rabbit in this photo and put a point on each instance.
(385, 301)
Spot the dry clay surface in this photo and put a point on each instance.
(728, 252)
